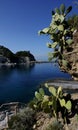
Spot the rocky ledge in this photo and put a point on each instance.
(68, 85)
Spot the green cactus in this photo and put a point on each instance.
(68, 9)
(41, 91)
(38, 96)
(60, 33)
(68, 105)
(53, 103)
(42, 101)
(52, 90)
(59, 91)
(65, 104)
(57, 10)
(62, 8)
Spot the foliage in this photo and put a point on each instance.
(25, 54)
(55, 102)
(41, 101)
(24, 120)
(15, 58)
(55, 125)
(73, 21)
(7, 53)
(60, 33)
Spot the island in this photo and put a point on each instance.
(8, 58)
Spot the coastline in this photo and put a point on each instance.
(14, 64)
(7, 64)
(68, 85)
(7, 110)
(64, 83)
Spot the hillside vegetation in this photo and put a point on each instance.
(8, 56)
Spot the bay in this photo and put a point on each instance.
(19, 84)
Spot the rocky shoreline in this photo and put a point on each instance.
(65, 84)
(9, 65)
(8, 110)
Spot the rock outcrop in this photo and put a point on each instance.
(7, 56)
(25, 56)
(71, 56)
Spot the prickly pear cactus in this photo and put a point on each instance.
(62, 37)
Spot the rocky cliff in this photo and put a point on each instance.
(71, 55)
(7, 56)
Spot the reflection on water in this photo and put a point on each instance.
(19, 83)
(7, 72)
(23, 68)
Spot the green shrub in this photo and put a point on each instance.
(23, 121)
(56, 125)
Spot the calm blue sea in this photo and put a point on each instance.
(20, 83)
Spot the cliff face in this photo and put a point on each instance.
(7, 56)
(25, 56)
(71, 56)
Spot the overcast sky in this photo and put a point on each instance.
(20, 21)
